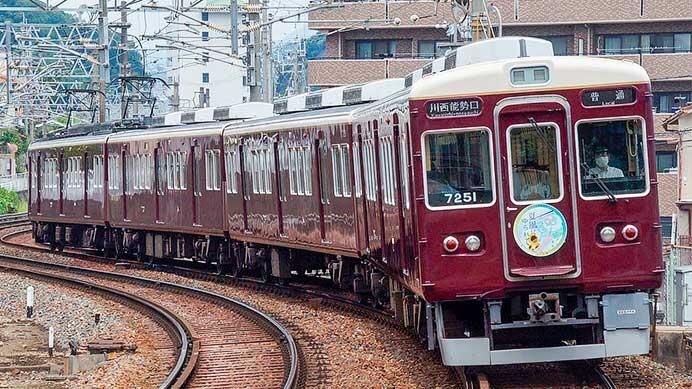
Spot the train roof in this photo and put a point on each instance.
(563, 73)
(300, 119)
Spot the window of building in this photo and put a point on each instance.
(205, 57)
(213, 169)
(562, 45)
(431, 49)
(666, 227)
(669, 102)
(375, 49)
(666, 160)
(205, 77)
(205, 35)
(656, 43)
(205, 16)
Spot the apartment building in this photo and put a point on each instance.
(371, 40)
(205, 72)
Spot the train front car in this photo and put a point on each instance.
(538, 226)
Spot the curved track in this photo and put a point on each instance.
(178, 330)
(233, 344)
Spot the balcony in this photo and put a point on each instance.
(661, 66)
(336, 71)
(380, 15)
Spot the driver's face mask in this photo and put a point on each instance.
(602, 161)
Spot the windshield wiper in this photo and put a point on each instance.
(542, 134)
(601, 185)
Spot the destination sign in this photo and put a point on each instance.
(598, 98)
(454, 108)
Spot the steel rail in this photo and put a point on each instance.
(277, 330)
(176, 327)
(606, 381)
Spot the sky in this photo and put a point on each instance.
(149, 22)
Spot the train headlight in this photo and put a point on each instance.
(451, 244)
(630, 232)
(607, 234)
(473, 243)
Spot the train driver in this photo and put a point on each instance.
(602, 168)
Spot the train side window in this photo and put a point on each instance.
(345, 170)
(300, 187)
(292, 170)
(307, 169)
(267, 171)
(114, 172)
(356, 169)
(232, 170)
(337, 170)
(458, 169)
(183, 169)
(403, 156)
(213, 169)
(170, 169)
(160, 171)
(612, 158)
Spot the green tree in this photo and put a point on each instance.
(44, 17)
(9, 201)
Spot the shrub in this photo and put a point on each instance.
(9, 201)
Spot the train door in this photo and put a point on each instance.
(61, 183)
(38, 173)
(196, 182)
(537, 189)
(158, 181)
(125, 182)
(320, 156)
(279, 161)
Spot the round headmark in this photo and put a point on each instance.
(540, 230)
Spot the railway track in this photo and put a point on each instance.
(573, 374)
(233, 344)
(178, 329)
(471, 378)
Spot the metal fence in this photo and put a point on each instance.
(680, 255)
(16, 183)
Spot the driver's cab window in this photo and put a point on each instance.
(458, 168)
(536, 168)
(611, 157)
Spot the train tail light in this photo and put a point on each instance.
(451, 244)
(473, 243)
(630, 232)
(607, 234)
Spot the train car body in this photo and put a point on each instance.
(511, 194)
(501, 201)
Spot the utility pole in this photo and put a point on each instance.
(176, 96)
(234, 27)
(267, 74)
(104, 76)
(253, 58)
(124, 64)
(8, 60)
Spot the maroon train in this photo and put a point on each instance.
(503, 201)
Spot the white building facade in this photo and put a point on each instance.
(206, 73)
